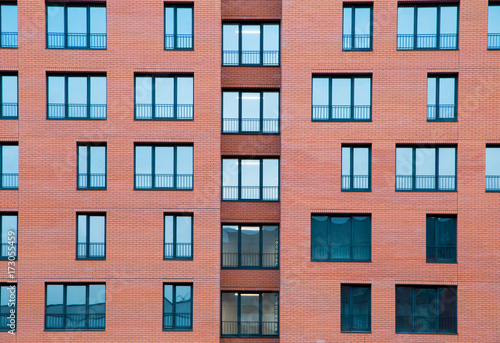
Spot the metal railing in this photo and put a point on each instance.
(8, 40)
(265, 193)
(76, 111)
(8, 110)
(93, 321)
(250, 125)
(178, 250)
(164, 111)
(59, 40)
(425, 182)
(245, 57)
(9, 180)
(164, 181)
(5, 321)
(447, 41)
(493, 40)
(341, 112)
(427, 324)
(355, 323)
(96, 181)
(355, 182)
(341, 252)
(177, 320)
(441, 112)
(356, 41)
(178, 41)
(249, 328)
(269, 260)
(91, 250)
(5, 250)
(441, 253)
(493, 183)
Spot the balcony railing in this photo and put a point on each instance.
(448, 41)
(76, 111)
(87, 321)
(264, 58)
(355, 323)
(249, 328)
(91, 250)
(179, 41)
(493, 41)
(441, 112)
(250, 125)
(182, 250)
(493, 183)
(177, 321)
(265, 193)
(341, 112)
(9, 181)
(8, 40)
(355, 182)
(428, 324)
(437, 253)
(425, 183)
(357, 42)
(97, 181)
(163, 111)
(8, 110)
(164, 181)
(249, 260)
(341, 252)
(58, 40)
(6, 252)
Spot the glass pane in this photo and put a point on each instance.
(250, 173)
(230, 105)
(431, 91)
(77, 90)
(9, 18)
(55, 19)
(9, 89)
(270, 240)
(184, 225)
(341, 92)
(185, 89)
(97, 19)
(347, 20)
(143, 90)
(492, 161)
(230, 172)
(362, 20)
(169, 20)
(143, 163)
(340, 237)
(426, 20)
(361, 161)
(77, 19)
(404, 161)
(183, 299)
(447, 91)
(164, 90)
(320, 92)
(229, 307)
(229, 242)
(169, 229)
(185, 160)
(230, 39)
(271, 105)
(9, 224)
(250, 106)
(493, 19)
(184, 20)
(97, 229)
(270, 172)
(405, 20)
(97, 298)
(4, 297)
(446, 235)
(164, 160)
(10, 159)
(447, 162)
(271, 37)
(56, 90)
(168, 298)
(345, 300)
(270, 308)
(249, 307)
(362, 91)
(447, 302)
(75, 299)
(250, 38)
(98, 90)
(425, 309)
(360, 301)
(346, 161)
(449, 17)
(82, 229)
(425, 164)
(54, 301)
(404, 301)
(319, 237)
(82, 159)
(431, 233)
(250, 246)
(98, 159)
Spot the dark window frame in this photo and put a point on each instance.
(350, 328)
(174, 312)
(436, 170)
(9, 308)
(64, 306)
(261, 172)
(351, 107)
(174, 233)
(493, 39)
(176, 6)
(438, 5)
(15, 35)
(175, 106)
(261, 241)
(88, 229)
(88, 35)
(15, 177)
(12, 244)
(352, 37)
(435, 248)
(438, 105)
(261, 118)
(492, 182)
(260, 315)
(89, 174)
(175, 174)
(2, 104)
(351, 175)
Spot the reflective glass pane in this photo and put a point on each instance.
(320, 91)
(185, 89)
(230, 105)
(10, 159)
(184, 20)
(269, 307)
(97, 229)
(250, 173)
(493, 19)
(75, 299)
(431, 91)
(185, 160)
(229, 307)
(404, 157)
(361, 161)
(230, 172)
(447, 91)
(341, 92)
(56, 90)
(82, 229)
(449, 18)
(9, 224)
(362, 20)
(9, 89)
(169, 20)
(425, 164)
(250, 105)
(143, 90)
(77, 19)
(54, 300)
(82, 160)
(164, 90)
(77, 90)
(55, 19)
(143, 163)
(168, 298)
(169, 229)
(9, 18)
(98, 159)
(249, 307)
(347, 20)
(271, 37)
(230, 239)
(405, 20)
(230, 39)
(447, 163)
(426, 20)
(270, 172)
(183, 303)
(97, 19)
(98, 90)
(250, 38)
(493, 161)
(250, 245)
(164, 160)
(184, 231)
(346, 161)
(271, 105)
(362, 91)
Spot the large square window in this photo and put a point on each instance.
(355, 308)
(8, 96)
(441, 239)
(441, 98)
(91, 236)
(8, 236)
(178, 237)
(9, 166)
(92, 166)
(357, 31)
(492, 168)
(356, 168)
(8, 25)
(177, 307)
(179, 26)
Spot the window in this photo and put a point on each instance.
(441, 98)
(92, 166)
(8, 236)
(8, 307)
(357, 33)
(9, 166)
(75, 307)
(428, 27)
(494, 26)
(356, 168)
(250, 246)
(178, 27)
(76, 26)
(177, 307)
(250, 314)
(250, 112)
(426, 309)
(163, 167)
(164, 97)
(250, 179)
(441, 239)
(76, 97)
(493, 168)
(341, 238)
(91, 236)
(426, 168)
(355, 308)
(342, 98)
(8, 25)
(8, 96)
(178, 237)
(253, 44)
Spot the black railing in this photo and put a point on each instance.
(249, 328)
(58, 40)
(237, 57)
(9, 180)
(8, 40)
(341, 112)
(441, 253)
(444, 41)
(91, 250)
(5, 250)
(8, 110)
(341, 252)
(76, 111)
(427, 324)
(178, 250)
(425, 182)
(235, 260)
(357, 41)
(87, 321)
(355, 182)
(493, 40)
(269, 193)
(163, 111)
(493, 183)
(441, 112)
(92, 181)
(250, 125)
(178, 41)
(177, 321)
(355, 323)
(163, 181)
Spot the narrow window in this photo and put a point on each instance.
(8, 25)
(492, 168)
(494, 25)
(177, 307)
(355, 308)
(357, 33)
(91, 236)
(178, 237)
(8, 236)
(8, 306)
(356, 168)
(9, 166)
(441, 98)
(8, 96)
(178, 27)
(441, 239)
(92, 166)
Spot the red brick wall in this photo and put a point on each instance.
(251, 10)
